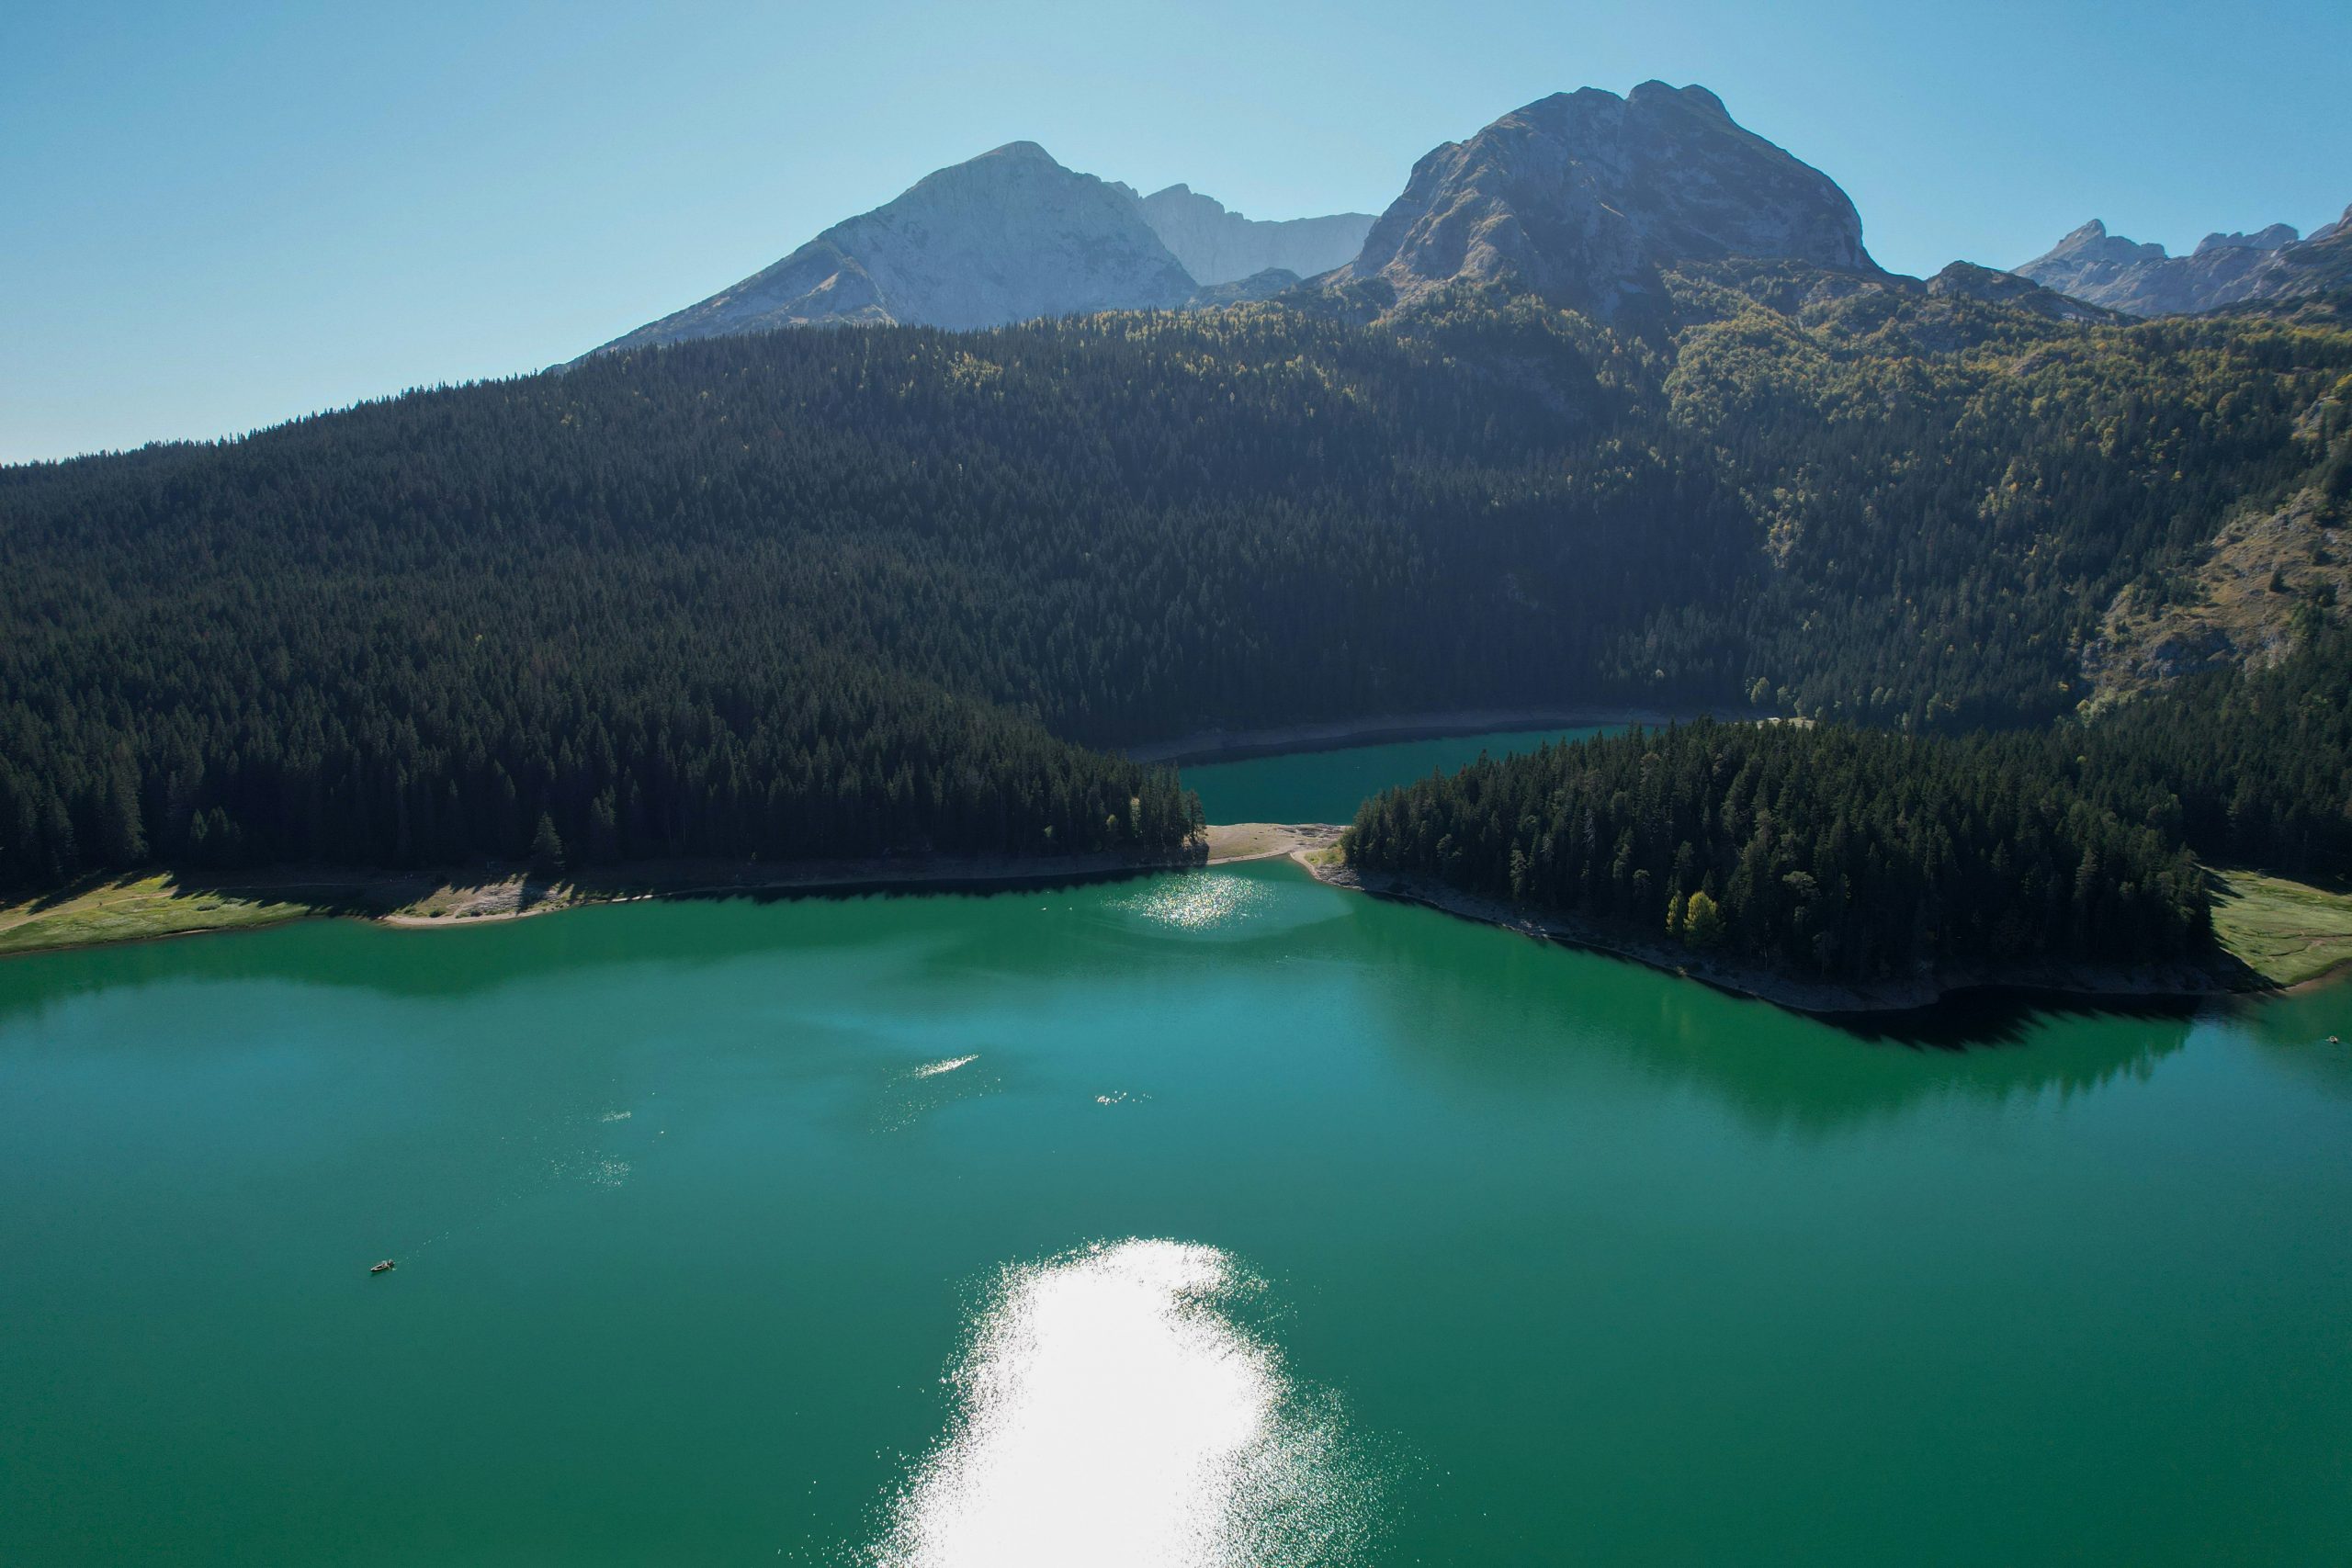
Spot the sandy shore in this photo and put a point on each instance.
(1226, 745)
(1231, 842)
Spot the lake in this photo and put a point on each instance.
(1326, 786)
(1216, 1218)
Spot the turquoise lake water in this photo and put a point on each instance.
(1214, 1218)
(1325, 786)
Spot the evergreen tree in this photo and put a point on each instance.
(853, 593)
(547, 848)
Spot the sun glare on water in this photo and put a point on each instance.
(1202, 901)
(932, 1070)
(1111, 1410)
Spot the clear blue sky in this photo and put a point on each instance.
(216, 217)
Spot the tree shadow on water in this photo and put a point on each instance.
(1994, 1016)
(416, 962)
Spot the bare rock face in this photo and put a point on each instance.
(1218, 246)
(2090, 257)
(1582, 198)
(2225, 269)
(2320, 265)
(2257, 571)
(2276, 237)
(1009, 236)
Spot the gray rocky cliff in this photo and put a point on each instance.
(1582, 198)
(2225, 269)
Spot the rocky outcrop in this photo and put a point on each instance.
(1966, 280)
(2088, 261)
(1009, 236)
(1583, 198)
(2320, 265)
(2105, 269)
(2279, 236)
(1218, 246)
(1257, 286)
(2236, 606)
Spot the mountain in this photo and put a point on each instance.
(1009, 236)
(1218, 246)
(802, 594)
(1257, 286)
(2277, 237)
(2319, 264)
(2225, 269)
(1967, 280)
(836, 593)
(1582, 198)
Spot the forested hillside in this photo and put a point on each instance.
(1951, 491)
(1860, 854)
(842, 592)
(1833, 850)
(2246, 767)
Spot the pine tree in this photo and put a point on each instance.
(547, 848)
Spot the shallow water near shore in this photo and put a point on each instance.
(1219, 1218)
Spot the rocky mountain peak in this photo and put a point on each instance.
(1008, 236)
(1218, 246)
(1582, 198)
(1689, 97)
(2224, 269)
(2269, 238)
(2092, 243)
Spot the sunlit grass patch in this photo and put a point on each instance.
(126, 910)
(2285, 931)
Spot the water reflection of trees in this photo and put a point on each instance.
(1473, 1004)
(1505, 1010)
(850, 925)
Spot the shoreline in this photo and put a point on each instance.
(2175, 982)
(161, 905)
(1234, 745)
(1231, 843)
(105, 912)
(658, 880)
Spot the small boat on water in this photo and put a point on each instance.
(383, 1268)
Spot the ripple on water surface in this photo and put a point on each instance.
(1109, 1409)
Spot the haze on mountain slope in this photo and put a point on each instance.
(1011, 236)
(1581, 198)
(2225, 269)
(1004, 237)
(1219, 246)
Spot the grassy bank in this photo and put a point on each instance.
(132, 908)
(161, 903)
(2285, 931)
